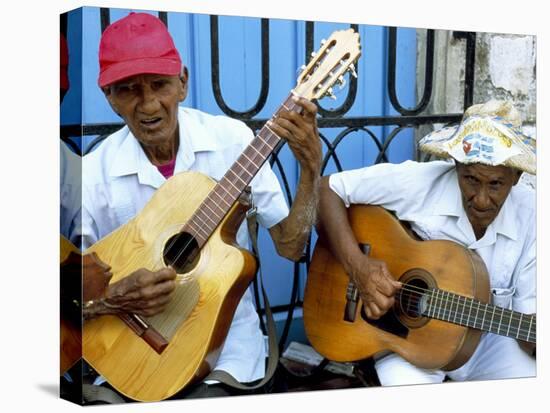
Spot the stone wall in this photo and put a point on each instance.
(505, 68)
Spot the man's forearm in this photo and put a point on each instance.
(333, 220)
(290, 235)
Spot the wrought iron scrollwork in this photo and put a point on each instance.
(216, 87)
(428, 77)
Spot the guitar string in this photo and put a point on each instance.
(160, 261)
(513, 315)
(457, 317)
(291, 107)
(409, 287)
(182, 251)
(448, 313)
(516, 316)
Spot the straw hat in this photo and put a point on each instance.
(490, 134)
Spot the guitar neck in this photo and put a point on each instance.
(464, 311)
(226, 192)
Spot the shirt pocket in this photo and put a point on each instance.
(122, 204)
(502, 297)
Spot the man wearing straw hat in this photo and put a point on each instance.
(474, 200)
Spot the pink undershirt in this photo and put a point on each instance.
(167, 170)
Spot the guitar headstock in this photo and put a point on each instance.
(336, 56)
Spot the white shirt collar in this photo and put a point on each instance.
(131, 159)
(450, 204)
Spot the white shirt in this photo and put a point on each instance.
(70, 189)
(118, 180)
(428, 196)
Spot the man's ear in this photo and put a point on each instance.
(107, 92)
(518, 175)
(184, 79)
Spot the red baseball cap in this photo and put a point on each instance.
(64, 63)
(137, 44)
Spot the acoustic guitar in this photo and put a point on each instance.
(190, 224)
(439, 313)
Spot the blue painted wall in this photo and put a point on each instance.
(240, 66)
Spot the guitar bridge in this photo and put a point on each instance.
(352, 296)
(352, 293)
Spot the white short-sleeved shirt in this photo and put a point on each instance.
(428, 196)
(118, 180)
(70, 188)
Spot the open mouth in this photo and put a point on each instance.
(151, 122)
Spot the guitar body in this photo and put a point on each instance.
(424, 342)
(201, 310)
(70, 325)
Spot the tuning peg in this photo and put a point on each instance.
(313, 54)
(341, 81)
(323, 41)
(352, 70)
(329, 94)
(302, 68)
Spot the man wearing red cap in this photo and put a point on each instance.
(144, 80)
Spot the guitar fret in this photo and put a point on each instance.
(243, 170)
(477, 311)
(500, 321)
(529, 331)
(214, 213)
(462, 307)
(492, 317)
(440, 308)
(431, 303)
(484, 315)
(232, 184)
(204, 224)
(264, 141)
(204, 215)
(271, 131)
(519, 324)
(216, 204)
(258, 152)
(469, 313)
(510, 323)
(442, 302)
(227, 204)
(250, 160)
(445, 309)
(197, 228)
(456, 311)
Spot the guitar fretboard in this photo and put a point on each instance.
(457, 309)
(219, 201)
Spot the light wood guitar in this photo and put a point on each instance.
(439, 312)
(190, 224)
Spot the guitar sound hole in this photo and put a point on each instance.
(181, 252)
(411, 297)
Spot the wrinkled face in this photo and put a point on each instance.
(484, 189)
(149, 105)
